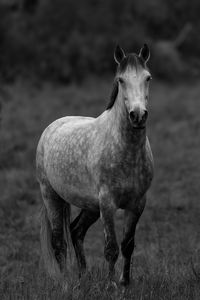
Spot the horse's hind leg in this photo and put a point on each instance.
(54, 206)
(111, 251)
(79, 228)
(127, 245)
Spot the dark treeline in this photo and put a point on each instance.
(67, 39)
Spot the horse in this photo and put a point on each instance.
(99, 165)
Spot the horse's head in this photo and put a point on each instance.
(133, 79)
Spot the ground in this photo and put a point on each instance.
(166, 262)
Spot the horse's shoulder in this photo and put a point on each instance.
(149, 164)
(148, 150)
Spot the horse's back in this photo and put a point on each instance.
(67, 122)
(57, 130)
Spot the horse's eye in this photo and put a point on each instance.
(121, 80)
(148, 78)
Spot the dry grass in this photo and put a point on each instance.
(168, 234)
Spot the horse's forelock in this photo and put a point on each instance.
(131, 61)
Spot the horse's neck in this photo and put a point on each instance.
(122, 130)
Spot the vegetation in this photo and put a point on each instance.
(67, 40)
(166, 259)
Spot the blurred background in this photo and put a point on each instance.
(56, 59)
(69, 40)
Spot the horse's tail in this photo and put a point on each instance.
(48, 254)
(66, 230)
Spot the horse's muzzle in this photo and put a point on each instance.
(138, 118)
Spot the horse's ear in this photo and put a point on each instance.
(119, 54)
(145, 53)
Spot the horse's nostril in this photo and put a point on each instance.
(138, 117)
(134, 116)
(145, 116)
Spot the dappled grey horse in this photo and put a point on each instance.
(99, 165)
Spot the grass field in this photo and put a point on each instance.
(167, 253)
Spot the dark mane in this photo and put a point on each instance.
(131, 60)
(113, 95)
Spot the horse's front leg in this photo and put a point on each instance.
(111, 250)
(127, 245)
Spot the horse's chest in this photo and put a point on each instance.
(128, 180)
